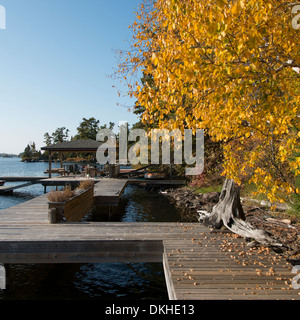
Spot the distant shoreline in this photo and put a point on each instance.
(9, 155)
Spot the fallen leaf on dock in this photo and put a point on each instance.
(259, 272)
(271, 272)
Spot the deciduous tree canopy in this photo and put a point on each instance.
(231, 68)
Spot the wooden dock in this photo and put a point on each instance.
(61, 181)
(29, 181)
(22, 178)
(108, 191)
(10, 189)
(74, 180)
(198, 264)
(221, 266)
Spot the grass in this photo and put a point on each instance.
(206, 189)
(294, 207)
(247, 191)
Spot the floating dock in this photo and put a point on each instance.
(9, 189)
(108, 192)
(198, 264)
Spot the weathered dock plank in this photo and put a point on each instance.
(221, 267)
(80, 251)
(32, 211)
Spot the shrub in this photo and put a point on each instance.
(60, 196)
(86, 184)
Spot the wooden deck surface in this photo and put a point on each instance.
(222, 267)
(108, 191)
(198, 264)
(65, 180)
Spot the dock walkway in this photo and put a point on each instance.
(198, 264)
(108, 191)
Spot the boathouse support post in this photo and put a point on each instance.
(61, 161)
(50, 164)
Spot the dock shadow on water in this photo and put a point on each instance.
(99, 281)
(138, 204)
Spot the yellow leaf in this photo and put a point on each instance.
(234, 9)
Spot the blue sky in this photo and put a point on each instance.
(56, 59)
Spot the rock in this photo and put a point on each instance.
(265, 203)
(286, 221)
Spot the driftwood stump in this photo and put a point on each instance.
(229, 212)
(228, 207)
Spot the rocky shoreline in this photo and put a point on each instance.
(189, 202)
(278, 224)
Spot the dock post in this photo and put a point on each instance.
(110, 171)
(52, 216)
(50, 164)
(2, 277)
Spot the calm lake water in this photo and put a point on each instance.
(107, 281)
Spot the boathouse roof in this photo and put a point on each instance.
(74, 146)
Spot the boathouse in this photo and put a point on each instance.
(76, 146)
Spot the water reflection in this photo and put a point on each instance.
(84, 281)
(122, 281)
(141, 205)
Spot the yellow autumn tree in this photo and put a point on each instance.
(231, 68)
